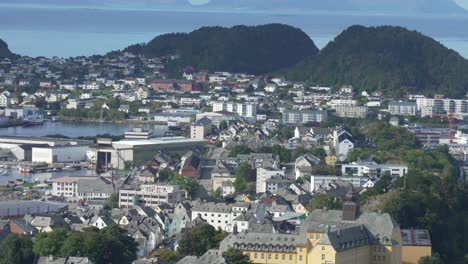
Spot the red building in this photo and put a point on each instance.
(191, 167)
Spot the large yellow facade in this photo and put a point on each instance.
(412, 254)
(346, 243)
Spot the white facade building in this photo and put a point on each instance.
(151, 195)
(428, 106)
(303, 116)
(402, 108)
(243, 109)
(264, 174)
(219, 215)
(371, 168)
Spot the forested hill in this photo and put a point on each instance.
(251, 49)
(393, 60)
(4, 51)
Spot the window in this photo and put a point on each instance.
(283, 257)
(300, 249)
(317, 236)
(263, 256)
(290, 257)
(300, 257)
(383, 258)
(323, 256)
(323, 247)
(255, 255)
(269, 256)
(276, 256)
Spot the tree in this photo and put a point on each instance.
(299, 151)
(16, 249)
(73, 245)
(245, 178)
(283, 153)
(114, 200)
(240, 149)
(198, 240)
(319, 153)
(322, 200)
(168, 255)
(235, 256)
(115, 246)
(223, 125)
(217, 193)
(47, 244)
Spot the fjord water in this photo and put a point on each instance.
(73, 31)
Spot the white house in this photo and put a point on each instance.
(371, 168)
(264, 174)
(343, 142)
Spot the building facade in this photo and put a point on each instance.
(243, 109)
(304, 116)
(351, 111)
(402, 108)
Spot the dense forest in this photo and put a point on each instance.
(389, 59)
(4, 51)
(251, 49)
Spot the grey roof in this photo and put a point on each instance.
(350, 237)
(212, 256)
(28, 207)
(99, 185)
(51, 220)
(247, 216)
(264, 242)
(413, 104)
(213, 207)
(204, 121)
(23, 224)
(415, 237)
(65, 260)
(380, 226)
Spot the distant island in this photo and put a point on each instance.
(252, 49)
(389, 59)
(4, 51)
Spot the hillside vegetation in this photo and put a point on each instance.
(250, 49)
(4, 51)
(389, 59)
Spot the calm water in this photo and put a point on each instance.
(70, 129)
(14, 174)
(78, 31)
(77, 129)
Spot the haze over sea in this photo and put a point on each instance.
(36, 30)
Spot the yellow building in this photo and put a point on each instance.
(416, 244)
(331, 160)
(330, 237)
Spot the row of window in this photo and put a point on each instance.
(262, 256)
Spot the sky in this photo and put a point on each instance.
(362, 6)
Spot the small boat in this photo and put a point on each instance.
(25, 170)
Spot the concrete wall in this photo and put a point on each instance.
(60, 155)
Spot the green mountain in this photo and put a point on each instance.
(251, 49)
(393, 60)
(4, 51)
